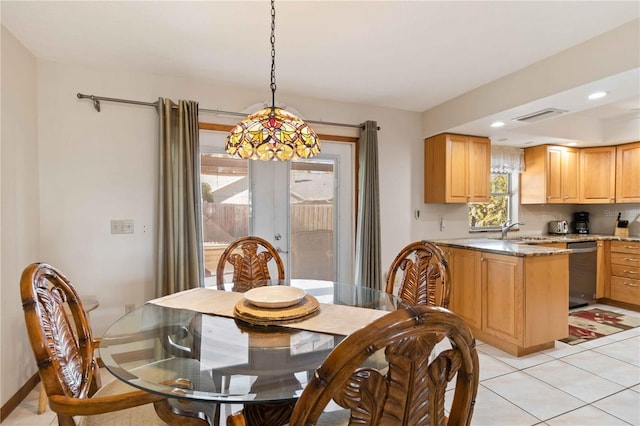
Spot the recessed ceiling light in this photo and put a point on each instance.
(497, 124)
(597, 95)
(572, 144)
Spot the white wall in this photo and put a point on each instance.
(19, 207)
(95, 167)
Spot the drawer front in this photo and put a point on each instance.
(625, 271)
(625, 290)
(625, 247)
(628, 259)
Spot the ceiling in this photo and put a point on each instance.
(409, 55)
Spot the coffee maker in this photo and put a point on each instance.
(581, 222)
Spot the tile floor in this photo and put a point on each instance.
(594, 383)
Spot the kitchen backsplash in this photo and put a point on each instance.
(602, 218)
(536, 218)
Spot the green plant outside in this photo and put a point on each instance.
(496, 211)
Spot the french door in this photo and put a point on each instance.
(304, 208)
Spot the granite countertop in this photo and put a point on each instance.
(526, 245)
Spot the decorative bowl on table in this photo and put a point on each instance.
(275, 297)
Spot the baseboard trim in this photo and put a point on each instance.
(17, 398)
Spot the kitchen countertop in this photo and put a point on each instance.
(526, 245)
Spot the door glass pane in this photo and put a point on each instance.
(312, 201)
(225, 205)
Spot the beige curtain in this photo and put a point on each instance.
(368, 257)
(180, 252)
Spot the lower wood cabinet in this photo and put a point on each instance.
(518, 304)
(503, 297)
(464, 265)
(624, 259)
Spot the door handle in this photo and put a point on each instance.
(279, 250)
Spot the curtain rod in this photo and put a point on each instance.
(96, 104)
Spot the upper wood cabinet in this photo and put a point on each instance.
(598, 175)
(551, 175)
(628, 173)
(456, 169)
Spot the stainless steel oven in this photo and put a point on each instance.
(582, 273)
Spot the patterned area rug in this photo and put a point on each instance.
(590, 324)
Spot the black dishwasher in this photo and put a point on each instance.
(582, 273)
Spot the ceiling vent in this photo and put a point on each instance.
(543, 114)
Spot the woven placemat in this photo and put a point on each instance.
(252, 314)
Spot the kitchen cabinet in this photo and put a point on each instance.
(503, 297)
(467, 297)
(517, 304)
(551, 175)
(625, 272)
(597, 183)
(456, 169)
(628, 173)
(602, 268)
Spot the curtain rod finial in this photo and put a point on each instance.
(96, 101)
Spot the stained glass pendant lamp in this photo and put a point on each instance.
(272, 133)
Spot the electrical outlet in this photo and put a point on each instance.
(443, 225)
(129, 307)
(122, 226)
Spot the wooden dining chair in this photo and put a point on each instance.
(421, 275)
(63, 347)
(409, 389)
(250, 257)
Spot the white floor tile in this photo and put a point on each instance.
(600, 341)
(562, 349)
(532, 395)
(576, 382)
(514, 361)
(627, 350)
(586, 416)
(602, 365)
(491, 367)
(493, 410)
(624, 405)
(22, 416)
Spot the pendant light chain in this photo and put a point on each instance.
(273, 54)
(272, 134)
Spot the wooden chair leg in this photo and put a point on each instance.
(236, 419)
(42, 400)
(176, 417)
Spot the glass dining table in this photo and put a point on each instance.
(199, 356)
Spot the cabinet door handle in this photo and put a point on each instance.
(630, 247)
(630, 259)
(630, 285)
(631, 272)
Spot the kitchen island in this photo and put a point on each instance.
(514, 296)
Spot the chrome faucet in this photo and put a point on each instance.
(508, 225)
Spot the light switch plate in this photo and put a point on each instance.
(122, 226)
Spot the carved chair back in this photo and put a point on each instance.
(59, 333)
(411, 390)
(250, 257)
(423, 273)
